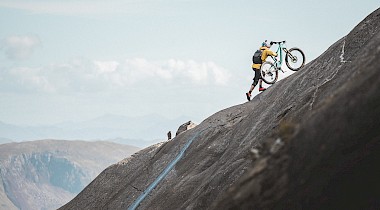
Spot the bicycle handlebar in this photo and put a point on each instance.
(272, 42)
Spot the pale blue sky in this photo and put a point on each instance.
(77, 60)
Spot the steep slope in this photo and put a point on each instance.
(46, 174)
(287, 148)
(330, 160)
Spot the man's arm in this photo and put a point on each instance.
(270, 52)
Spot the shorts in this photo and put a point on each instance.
(257, 76)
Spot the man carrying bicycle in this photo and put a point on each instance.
(259, 57)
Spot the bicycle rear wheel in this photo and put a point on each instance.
(269, 73)
(295, 59)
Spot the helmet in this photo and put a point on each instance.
(266, 44)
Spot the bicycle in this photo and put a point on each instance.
(294, 59)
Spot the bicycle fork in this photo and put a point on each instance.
(293, 58)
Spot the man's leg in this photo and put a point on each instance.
(251, 89)
(255, 81)
(261, 85)
(248, 94)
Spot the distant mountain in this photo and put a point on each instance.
(46, 174)
(137, 131)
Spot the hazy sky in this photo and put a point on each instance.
(76, 60)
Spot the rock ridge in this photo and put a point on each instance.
(295, 146)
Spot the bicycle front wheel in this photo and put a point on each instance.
(295, 59)
(269, 73)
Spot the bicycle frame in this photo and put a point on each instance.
(278, 62)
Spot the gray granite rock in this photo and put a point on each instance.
(310, 141)
(184, 127)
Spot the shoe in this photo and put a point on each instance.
(248, 96)
(262, 89)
